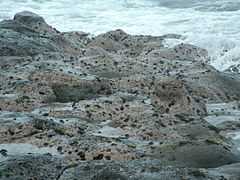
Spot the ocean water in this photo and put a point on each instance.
(211, 24)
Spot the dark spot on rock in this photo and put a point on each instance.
(167, 110)
(59, 148)
(3, 152)
(41, 93)
(98, 157)
(69, 152)
(108, 158)
(46, 114)
(81, 155)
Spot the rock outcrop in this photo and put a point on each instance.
(113, 106)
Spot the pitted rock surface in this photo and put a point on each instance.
(112, 106)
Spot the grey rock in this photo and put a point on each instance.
(135, 170)
(34, 22)
(28, 34)
(27, 167)
(115, 106)
(81, 91)
(199, 155)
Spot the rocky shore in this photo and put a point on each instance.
(112, 107)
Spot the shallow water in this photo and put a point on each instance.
(213, 25)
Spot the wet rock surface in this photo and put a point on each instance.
(114, 106)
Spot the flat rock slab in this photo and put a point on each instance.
(110, 132)
(11, 150)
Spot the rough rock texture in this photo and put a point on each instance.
(29, 34)
(171, 96)
(34, 22)
(113, 106)
(31, 167)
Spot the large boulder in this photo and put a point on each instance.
(213, 86)
(28, 34)
(34, 22)
(209, 154)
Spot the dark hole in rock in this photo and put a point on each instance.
(108, 158)
(98, 157)
(3, 152)
(82, 156)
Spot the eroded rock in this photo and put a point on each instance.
(114, 106)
